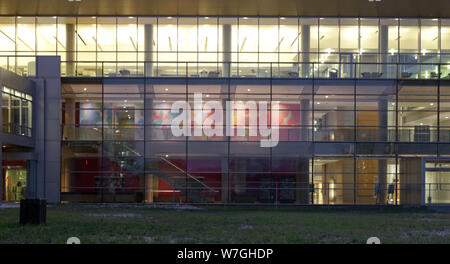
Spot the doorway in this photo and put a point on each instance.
(14, 183)
(437, 185)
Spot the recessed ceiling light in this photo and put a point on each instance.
(166, 89)
(249, 90)
(85, 89)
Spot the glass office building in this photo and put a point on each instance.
(364, 106)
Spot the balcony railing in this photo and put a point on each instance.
(17, 129)
(326, 70)
(26, 66)
(21, 65)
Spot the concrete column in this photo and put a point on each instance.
(150, 179)
(70, 49)
(226, 55)
(382, 119)
(224, 161)
(305, 119)
(305, 50)
(302, 181)
(384, 44)
(47, 111)
(31, 179)
(148, 48)
(382, 136)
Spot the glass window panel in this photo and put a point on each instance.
(248, 40)
(268, 27)
(26, 35)
(208, 39)
(429, 35)
(167, 36)
(329, 35)
(409, 35)
(147, 38)
(289, 37)
(349, 32)
(66, 43)
(127, 39)
(86, 37)
(7, 36)
(106, 39)
(369, 35)
(391, 25)
(188, 36)
(233, 23)
(445, 37)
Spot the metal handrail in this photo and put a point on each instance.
(192, 177)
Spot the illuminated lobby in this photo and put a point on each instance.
(364, 108)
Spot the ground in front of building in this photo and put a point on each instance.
(188, 224)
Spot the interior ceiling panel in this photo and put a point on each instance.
(363, 8)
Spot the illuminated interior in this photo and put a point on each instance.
(203, 42)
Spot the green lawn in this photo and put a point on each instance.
(144, 224)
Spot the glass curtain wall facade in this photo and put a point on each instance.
(17, 114)
(231, 46)
(363, 118)
(340, 142)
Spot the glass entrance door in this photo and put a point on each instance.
(437, 186)
(14, 184)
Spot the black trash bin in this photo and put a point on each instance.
(33, 211)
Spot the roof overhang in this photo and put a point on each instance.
(350, 8)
